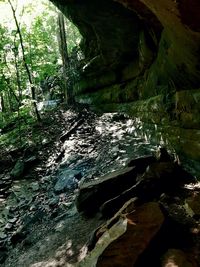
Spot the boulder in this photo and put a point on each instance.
(23, 166)
(141, 163)
(19, 236)
(30, 161)
(163, 155)
(18, 169)
(128, 207)
(92, 195)
(158, 178)
(5, 164)
(67, 180)
(176, 257)
(3, 256)
(194, 203)
(126, 236)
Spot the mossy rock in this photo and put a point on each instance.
(91, 84)
(117, 93)
(18, 170)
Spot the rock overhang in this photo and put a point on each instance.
(156, 42)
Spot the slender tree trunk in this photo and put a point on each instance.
(62, 40)
(25, 63)
(17, 73)
(11, 92)
(3, 109)
(9, 98)
(7, 80)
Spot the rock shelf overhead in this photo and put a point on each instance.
(142, 58)
(125, 39)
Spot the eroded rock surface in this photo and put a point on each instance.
(175, 257)
(126, 236)
(142, 57)
(160, 39)
(92, 195)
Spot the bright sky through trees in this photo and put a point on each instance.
(29, 39)
(33, 9)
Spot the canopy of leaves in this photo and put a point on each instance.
(39, 29)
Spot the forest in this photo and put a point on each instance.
(99, 133)
(37, 67)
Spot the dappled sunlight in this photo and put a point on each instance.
(195, 186)
(82, 150)
(83, 252)
(28, 19)
(50, 263)
(2, 201)
(63, 254)
(89, 150)
(171, 262)
(66, 255)
(59, 148)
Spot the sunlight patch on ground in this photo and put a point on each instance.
(2, 201)
(193, 186)
(52, 263)
(171, 263)
(118, 229)
(83, 253)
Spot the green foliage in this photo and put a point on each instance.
(41, 47)
(38, 26)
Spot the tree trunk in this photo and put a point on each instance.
(7, 80)
(62, 41)
(17, 73)
(2, 103)
(25, 63)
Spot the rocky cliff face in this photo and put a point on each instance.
(124, 39)
(178, 49)
(141, 56)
